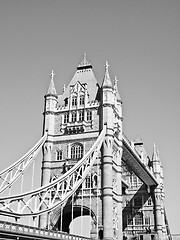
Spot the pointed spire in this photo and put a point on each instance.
(107, 81)
(155, 156)
(64, 88)
(52, 89)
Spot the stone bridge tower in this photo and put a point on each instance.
(74, 120)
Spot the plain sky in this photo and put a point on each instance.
(141, 41)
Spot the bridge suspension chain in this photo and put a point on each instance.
(17, 169)
(56, 193)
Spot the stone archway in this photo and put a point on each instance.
(78, 211)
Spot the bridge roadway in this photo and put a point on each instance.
(16, 231)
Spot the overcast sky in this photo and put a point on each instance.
(141, 41)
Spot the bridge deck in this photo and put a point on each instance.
(17, 231)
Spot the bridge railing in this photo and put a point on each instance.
(18, 229)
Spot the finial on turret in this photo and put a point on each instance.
(84, 63)
(107, 67)
(155, 156)
(52, 75)
(107, 81)
(64, 88)
(52, 89)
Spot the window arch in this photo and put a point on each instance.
(81, 100)
(74, 101)
(81, 116)
(76, 151)
(74, 117)
(59, 155)
(66, 118)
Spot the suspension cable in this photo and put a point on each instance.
(90, 191)
(32, 182)
(97, 199)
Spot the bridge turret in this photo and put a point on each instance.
(107, 174)
(157, 192)
(50, 107)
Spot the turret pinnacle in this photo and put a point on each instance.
(155, 156)
(84, 63)
(107, 81)
(52, 89)
(116, 89)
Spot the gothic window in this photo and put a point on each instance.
(66, 118)
(138, 219)
(81, 116)
(95, 180)
(138, 201)
(87, 182)
(74, 101)
(81, 100)
(89, 115)
(74, 115)
(59, 155)
(76, 151)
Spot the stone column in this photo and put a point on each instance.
(107, 186)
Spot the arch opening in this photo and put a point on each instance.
(78, 223)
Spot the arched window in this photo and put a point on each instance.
(74, 119)
(74, 101)
(95, 180)
(88, 182)
(81, 116)
(76, 151)
(66, 118)
(81, 100)
(89, 115)
(59, 155)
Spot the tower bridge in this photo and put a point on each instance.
(89, 168)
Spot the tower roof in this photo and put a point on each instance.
(52, 89)
(84, 75)
(84, 64)
(107, 81)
